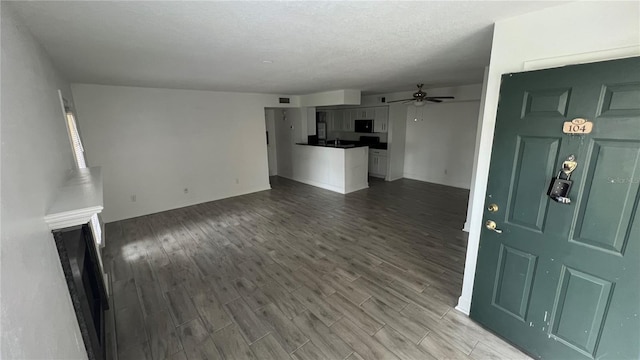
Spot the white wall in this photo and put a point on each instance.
(311, 121)
(333, 97)
(397, 141)
(440, 144)
(568, 34)
(154, 143)
(289, 130)
(272, 151)
(38, 320)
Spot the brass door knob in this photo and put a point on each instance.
(492, 208)
(491, 225)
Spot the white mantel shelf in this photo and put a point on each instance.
(78, 199)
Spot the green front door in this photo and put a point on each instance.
(562, 281)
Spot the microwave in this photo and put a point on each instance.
(363, 126)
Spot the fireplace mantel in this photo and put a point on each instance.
(78, 199)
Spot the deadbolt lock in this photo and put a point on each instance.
(491, 225)
(492, 208)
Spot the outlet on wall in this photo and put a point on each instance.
(133, 198)
(186, 190)
(237, 181)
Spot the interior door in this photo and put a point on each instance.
(562, 281)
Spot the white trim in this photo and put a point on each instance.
(131, 216)
(71, 218)
(333, 188)
(474, 173)
(78, 199)
(583, 58)
(358, 187)
(464, 305)
(416, 178)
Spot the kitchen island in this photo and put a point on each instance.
(339, 168)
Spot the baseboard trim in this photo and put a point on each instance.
(412, 177)
(464, 305)
(317, 184)
(180, 206)
(357, 188)
(395, 178)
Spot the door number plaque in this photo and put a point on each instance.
(577, 126)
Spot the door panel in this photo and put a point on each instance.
(514, 281)
(536, 160)
(546, 102)
(604, 219)
(620, 100)
(561, 280)
(580, 309)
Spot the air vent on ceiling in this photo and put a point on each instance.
(285, 100)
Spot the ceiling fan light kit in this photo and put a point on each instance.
(420, 98)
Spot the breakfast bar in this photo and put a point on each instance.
(341, 168)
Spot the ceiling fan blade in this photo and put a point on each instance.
(440, 97)
(433, 100)
(389, 102)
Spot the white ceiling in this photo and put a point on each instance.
(313, 46)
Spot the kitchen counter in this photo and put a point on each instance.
(342, 168)
(346, 144)
(340, 146)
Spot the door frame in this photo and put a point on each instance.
(484, 146)
(272, 147)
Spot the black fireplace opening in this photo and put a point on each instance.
(81, 266)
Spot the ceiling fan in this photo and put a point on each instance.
(420, 98)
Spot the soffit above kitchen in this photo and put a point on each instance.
(270, 47)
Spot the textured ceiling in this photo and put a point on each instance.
(271, 47)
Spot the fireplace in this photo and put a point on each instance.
(82, 269)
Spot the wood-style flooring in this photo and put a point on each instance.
(297, 272)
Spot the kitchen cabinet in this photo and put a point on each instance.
(364, 113)
(381, 119)
(337, 119)
(378, 163)
(332, 124)
(344, 119)
(347, 119)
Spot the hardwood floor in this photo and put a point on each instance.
(298, 272)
